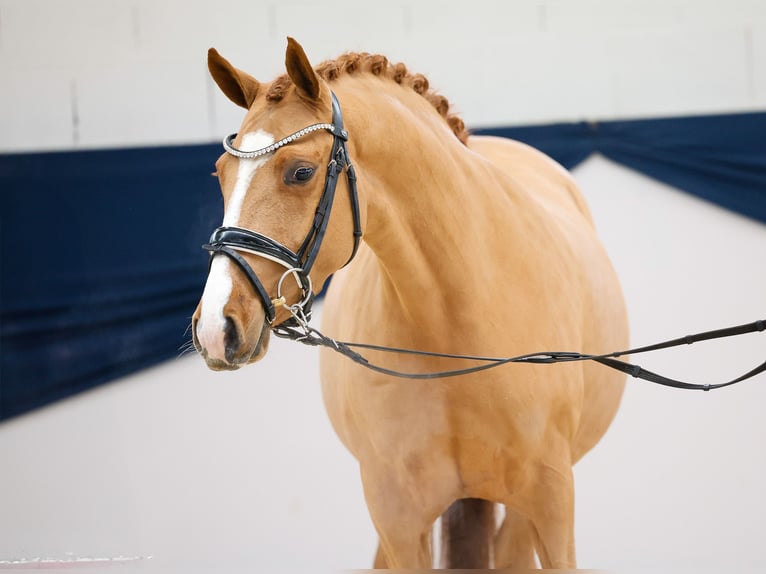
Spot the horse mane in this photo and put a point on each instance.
(355, 63)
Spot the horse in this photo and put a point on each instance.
(452, 243)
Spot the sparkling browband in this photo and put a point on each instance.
(276, 145)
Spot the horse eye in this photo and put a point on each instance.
(300, 175)
(303, 173)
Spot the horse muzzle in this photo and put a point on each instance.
(230, 346)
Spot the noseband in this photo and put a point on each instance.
(229, 241)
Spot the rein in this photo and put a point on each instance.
(310, 336)
(229, 241)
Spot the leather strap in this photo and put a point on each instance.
(309, 250)
(260, 290)
(247, 240)
(310, 336)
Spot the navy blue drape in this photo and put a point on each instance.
(100, 264)
(100, 259)
(720, 158)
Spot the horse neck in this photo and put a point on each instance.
(427, 214)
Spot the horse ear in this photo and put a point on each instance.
(240, 87)
(300, 71)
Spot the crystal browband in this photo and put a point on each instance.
(276, 145)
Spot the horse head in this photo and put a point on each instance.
(278, 178)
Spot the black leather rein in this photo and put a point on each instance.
(231, 240)
(310, 336)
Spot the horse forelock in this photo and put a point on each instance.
(359, 63)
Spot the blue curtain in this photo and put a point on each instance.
(101, 266)
(720, 158)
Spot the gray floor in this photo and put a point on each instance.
(185, 463)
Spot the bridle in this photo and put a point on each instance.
(230, 241)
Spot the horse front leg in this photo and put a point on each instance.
(515, 543)
(381, 562)
(407, 548)
(403, 513)
(550, 508)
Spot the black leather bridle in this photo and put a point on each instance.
(229, 241)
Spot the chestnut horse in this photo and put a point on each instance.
(473, 245)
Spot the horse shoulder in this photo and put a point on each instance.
(350, 311)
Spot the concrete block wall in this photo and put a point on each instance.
(78, 74)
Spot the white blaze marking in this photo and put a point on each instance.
(219, 283)
(245, 173)
(214, 298)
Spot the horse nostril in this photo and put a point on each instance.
(231, 339)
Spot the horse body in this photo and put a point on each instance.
(484, 247)
(498, 256)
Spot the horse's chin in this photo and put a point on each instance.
(262, 346)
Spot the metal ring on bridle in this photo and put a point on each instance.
(307, 289)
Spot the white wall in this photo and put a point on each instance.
(85, 73)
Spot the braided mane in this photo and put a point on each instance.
(354, 63)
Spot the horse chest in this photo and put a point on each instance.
(428, 432)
